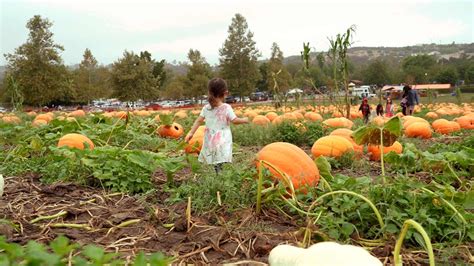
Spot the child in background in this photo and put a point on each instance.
(365, 108)
(379, 109)
(389, 108)
(217, 145)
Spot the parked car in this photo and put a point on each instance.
(230, 99)
(258, 96)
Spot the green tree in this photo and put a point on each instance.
(132, 78)
(417, 68)
(377, 72)
(275, 65)
(469, 75)
(447, 74)
(90, 80)
(238, 57)
(262, 83)
(175, 88)
(37, 67)
(199, 73)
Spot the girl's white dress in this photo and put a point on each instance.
(217, 146)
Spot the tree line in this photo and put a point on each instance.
(36, 74)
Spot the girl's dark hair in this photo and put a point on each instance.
(217, 88)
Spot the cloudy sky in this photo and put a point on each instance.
(168, 29)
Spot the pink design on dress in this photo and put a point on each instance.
(221, 113)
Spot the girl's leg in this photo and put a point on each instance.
(218, 167)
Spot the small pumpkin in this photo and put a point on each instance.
(45, 117)
(169, 129)
(331, 146)
(419, 129)
(181, 114)
(291, 161)
(39, 123)
(465, 121)
(374, 150)
(431, 115)
(338, 122)
(195, 143)
(74, 140)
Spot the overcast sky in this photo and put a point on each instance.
(168, 29)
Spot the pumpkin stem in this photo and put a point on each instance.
(396, 253)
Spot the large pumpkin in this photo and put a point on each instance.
(271, 115)
(331, 146)
(195, 143)
(173, 131)
(44, 117)
(374, 150)
(466, 121)
(444, 126)
(261, 120)
(347, 134)
(312, 116)
(338, 122)
(418, 129)
(431, 115)
(77, 113)
(74, 140)
(291, 161)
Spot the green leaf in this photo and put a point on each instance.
(167, 119)
(371, 134)
(324, 168)
(140, 260)
(61, 246)
(347, 229)
(93, 252)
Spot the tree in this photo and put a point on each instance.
(262, 83)
(418, 67)
(275, 65)
(469, 75)
(199, 73)
(238, 57)
(132, 78)
(175, 89)
(90, 80)
(377, 72)
(37, 67)
(448, 74)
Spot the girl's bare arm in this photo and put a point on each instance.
(195, 126)
(239, 120)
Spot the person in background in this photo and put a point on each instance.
(365, 108)
(389, 108)
(379, 109)
(217, 145)
(412, 99)
(403, 102)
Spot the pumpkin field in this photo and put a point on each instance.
(123, 188)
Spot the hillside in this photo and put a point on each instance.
(363, 55)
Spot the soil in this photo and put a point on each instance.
(210, 239)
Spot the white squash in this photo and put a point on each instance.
(2, 184)
(322, 254)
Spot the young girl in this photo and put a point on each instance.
(365, 108)
(217, 145)
(379, 109)
(389, 108)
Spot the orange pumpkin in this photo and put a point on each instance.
(444, 126)
(292, 162)
(11, 119)
(195, 143)
(298, 115)
(408, 120)
(181, 114)
(338, 122)
(465, 121)
(431, 115)
(374, 150)
(250, 114)
(312, 116)
(418, 129)
(77, 113)
(261, 120)
(74, 140)
(331, 146)
(45, 117)
(39, 123)
(347, 134)
(173, 131)
(271, 115)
